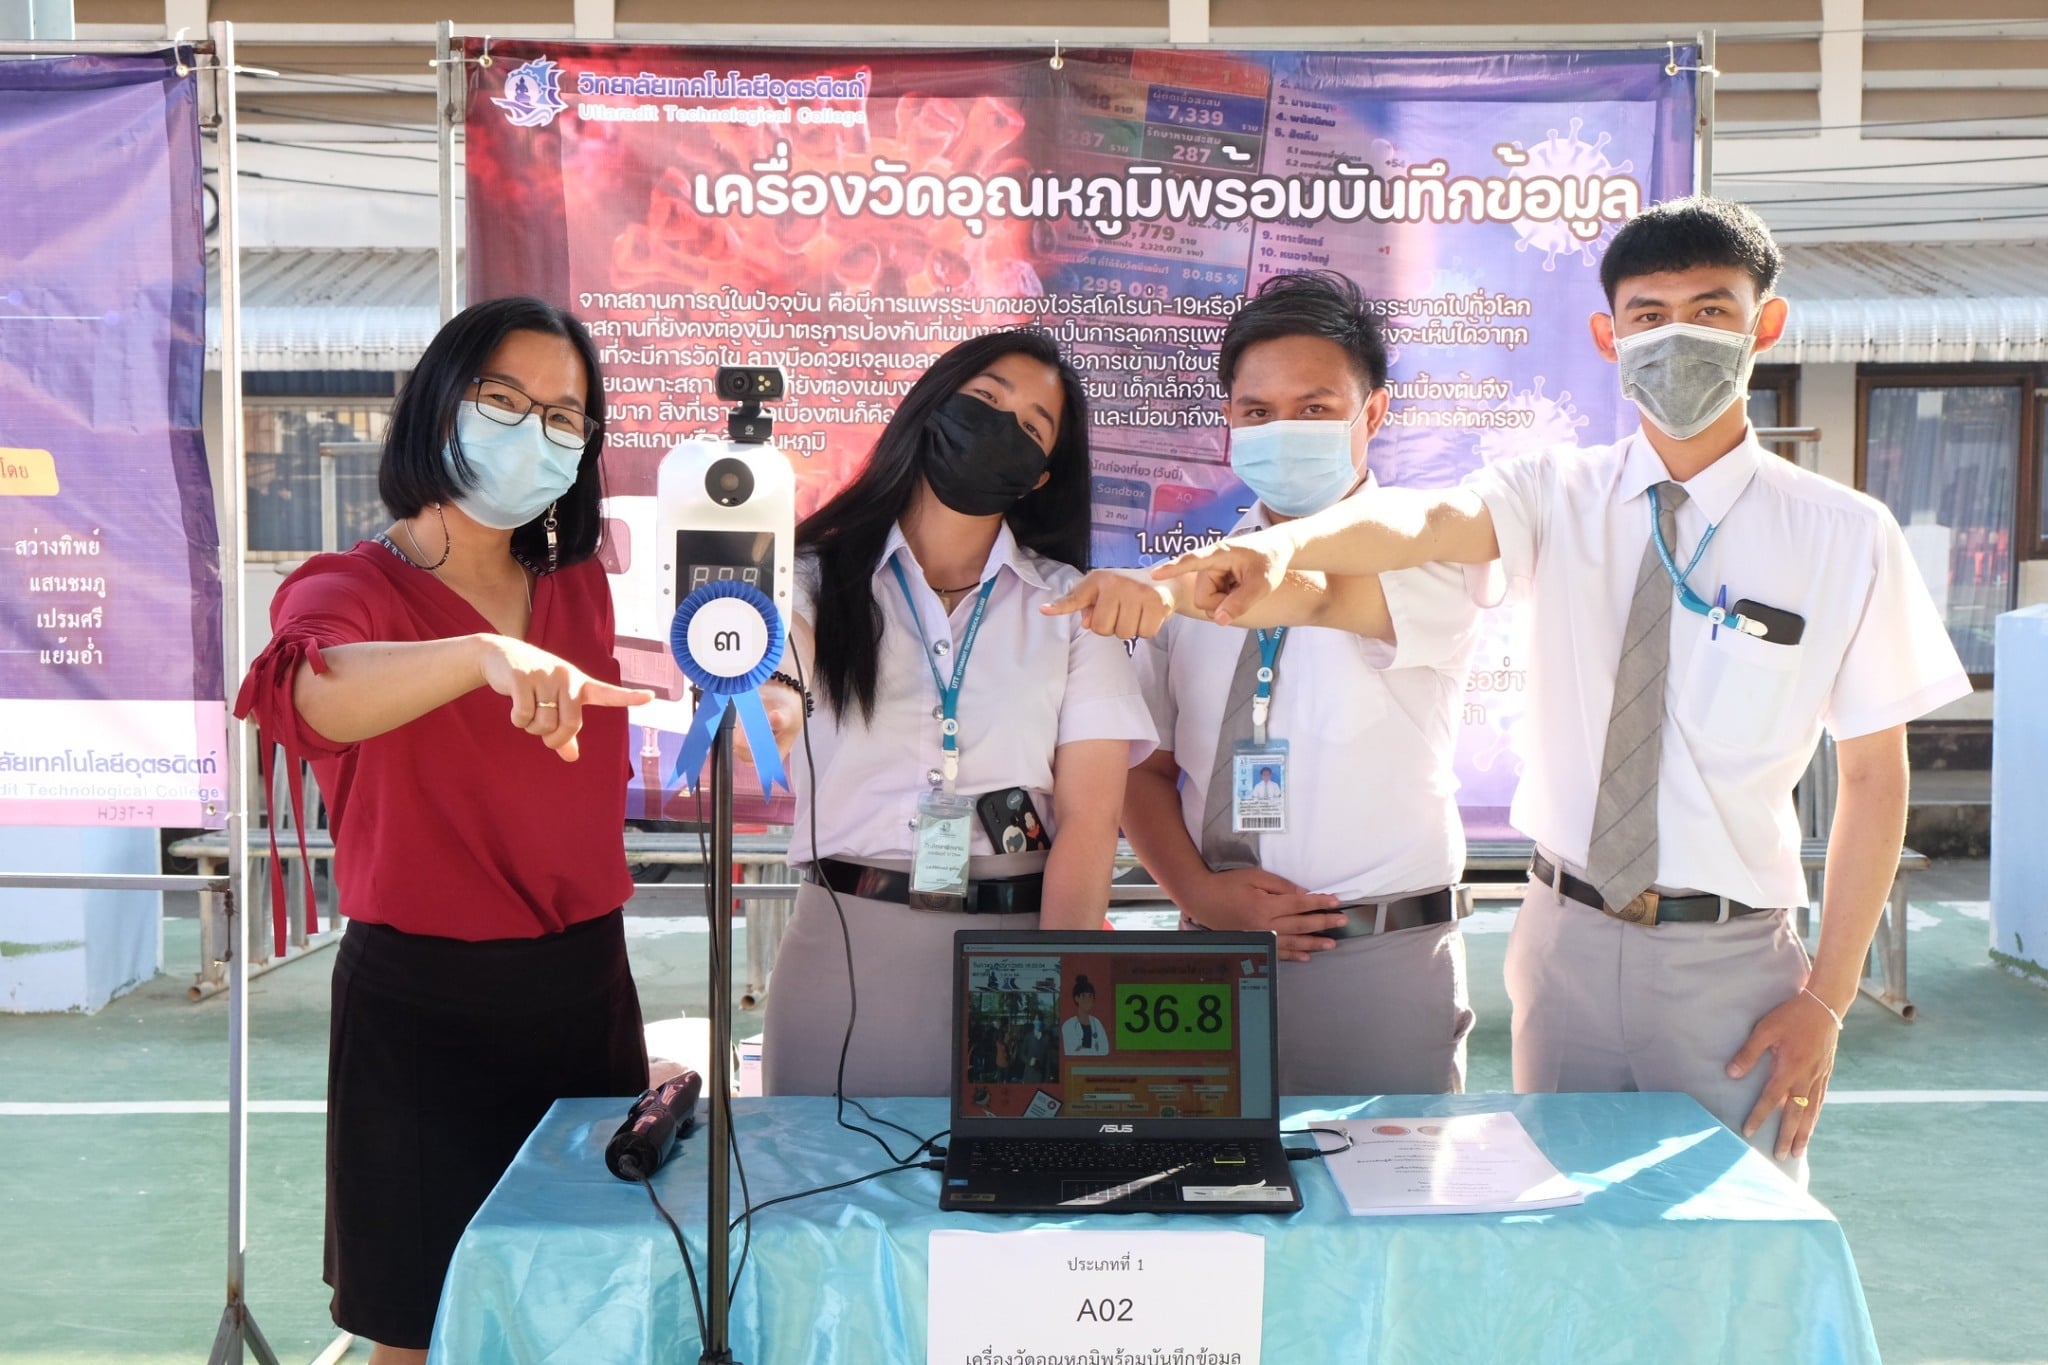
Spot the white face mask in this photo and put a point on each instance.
(518, 470)
(1683, 376)
(1297, 466)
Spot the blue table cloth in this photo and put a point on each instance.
(1690, 1247)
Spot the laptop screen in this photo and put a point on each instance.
(1108, 1026)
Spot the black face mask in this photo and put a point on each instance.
(977, 458)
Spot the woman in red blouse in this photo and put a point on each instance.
(452, 682)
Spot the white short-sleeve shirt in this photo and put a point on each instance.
(1033, 683)
(1372, 729)
(1742, 715)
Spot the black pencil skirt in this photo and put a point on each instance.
(442, 1056)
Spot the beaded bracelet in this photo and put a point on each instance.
(810, 706)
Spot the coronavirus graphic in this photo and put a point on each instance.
(1563, 158)
(1551, 422)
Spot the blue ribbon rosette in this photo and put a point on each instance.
(742, 692)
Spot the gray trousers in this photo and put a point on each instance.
(1386, 1014)
(903, 967)
(1600, 1005)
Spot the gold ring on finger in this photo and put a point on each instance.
(1801, 1101)
(550, 705)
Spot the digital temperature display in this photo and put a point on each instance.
(1173, 1018)
(697, 575)
(704, 557)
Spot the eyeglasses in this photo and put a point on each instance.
(509, 405)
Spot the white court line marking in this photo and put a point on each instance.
(1938, 1097)
(89, 1108)
(94, 1108)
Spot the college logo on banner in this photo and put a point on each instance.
(533, 94)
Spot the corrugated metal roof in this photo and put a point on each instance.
(1915, 302)
(331, 309)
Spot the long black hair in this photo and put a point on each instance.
(847, 533)
(414, 474)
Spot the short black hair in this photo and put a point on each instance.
(414, 474)
(1308, 303)
(1682, 234)
(1083, 986)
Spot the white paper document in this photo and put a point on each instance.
(1051, 1294)
(1465, 1163)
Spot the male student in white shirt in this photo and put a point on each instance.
(1084, 1034)
(1677, 691)
(1347, 843)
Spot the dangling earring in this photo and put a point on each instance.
(551, 525)
(447, 541)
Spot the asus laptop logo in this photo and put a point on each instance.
(1114, 1128)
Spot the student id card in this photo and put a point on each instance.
(1258, 787)
(945, 824)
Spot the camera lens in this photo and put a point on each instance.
(729, 482)
(732, 383)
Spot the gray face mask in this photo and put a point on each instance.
(1683, 376)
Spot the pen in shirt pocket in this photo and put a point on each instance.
(1720, 600)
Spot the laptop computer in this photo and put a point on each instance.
(1117, 1072)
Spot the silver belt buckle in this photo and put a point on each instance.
(1641, 910)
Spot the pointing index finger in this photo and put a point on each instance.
(1192, 561)
(1076, 597)
(596, 692)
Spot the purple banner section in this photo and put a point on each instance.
(110, 645)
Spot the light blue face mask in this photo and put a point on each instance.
(1296, 467)
(518, 470)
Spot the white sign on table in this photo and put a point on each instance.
(997, 1295)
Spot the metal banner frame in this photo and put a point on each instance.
(238, 1330)
(451, 90)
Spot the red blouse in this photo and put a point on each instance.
(455, 824)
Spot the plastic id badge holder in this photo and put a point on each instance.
(1258, 787)
(945, 820)
(1258, 766)
(945, 831)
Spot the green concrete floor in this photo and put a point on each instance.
(112, 1227)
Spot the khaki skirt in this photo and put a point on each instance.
(902, 983)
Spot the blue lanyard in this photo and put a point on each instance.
(1262, 698)
(1687, 598)
(949, 695)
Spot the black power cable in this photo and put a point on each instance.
(1311, 1153)
(744, 1221)
(696, 1294)
(852, 987)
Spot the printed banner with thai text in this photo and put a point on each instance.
(110, 651)
(848, 215)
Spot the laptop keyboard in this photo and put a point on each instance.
(1209, 1157)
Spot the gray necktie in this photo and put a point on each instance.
(1224, 848)
(1621, 858)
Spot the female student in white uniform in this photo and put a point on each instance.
(924, 575)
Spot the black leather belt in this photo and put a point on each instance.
(993, 896)
(1411, 912)
(1648, 908)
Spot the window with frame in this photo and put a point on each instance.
(286, 418)
(1943, 449)
(1774, 402)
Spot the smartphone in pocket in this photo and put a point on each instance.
(1011, 821)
